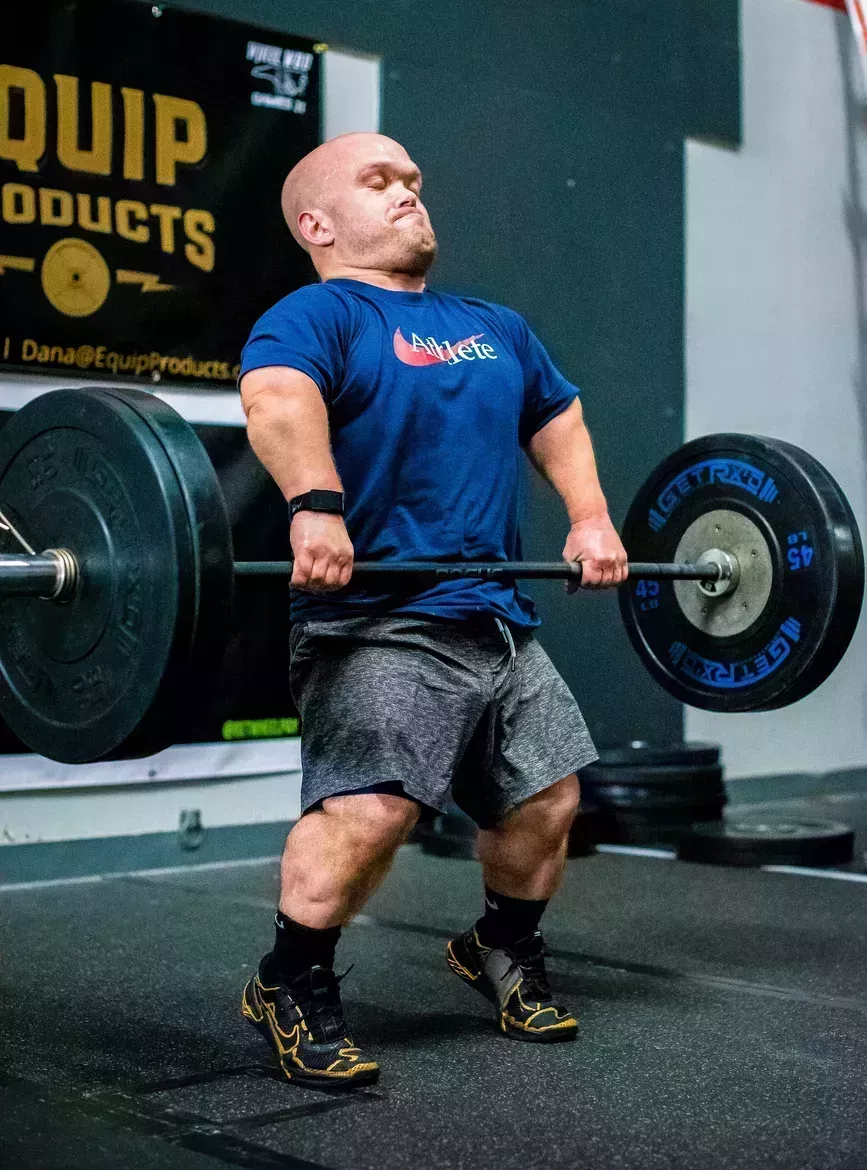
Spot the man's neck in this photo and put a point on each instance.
(395, 281)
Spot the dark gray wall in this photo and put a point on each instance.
(551, 137)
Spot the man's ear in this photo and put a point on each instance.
(315, 227)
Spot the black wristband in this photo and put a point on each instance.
(317, 500)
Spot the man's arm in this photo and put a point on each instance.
(563, 453)
(287, 425)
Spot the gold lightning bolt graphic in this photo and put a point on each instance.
(21, 263)
(149, 281)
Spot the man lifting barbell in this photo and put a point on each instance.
(747, 596)
(416, 404)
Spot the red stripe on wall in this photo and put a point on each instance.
(841, 4)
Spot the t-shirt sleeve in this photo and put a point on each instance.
(546, 392)
(307, 331)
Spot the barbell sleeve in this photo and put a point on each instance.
(22, 575)
(656, 571)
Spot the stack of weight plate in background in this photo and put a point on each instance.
(669, 795)
(769, 838)
(453, 834)
(640, 794)
(649, 794)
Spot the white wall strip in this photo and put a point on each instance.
(183, 762)
(215, 407)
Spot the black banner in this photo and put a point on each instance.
(142, 153)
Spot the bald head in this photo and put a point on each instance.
(308, 184)
(355, 200)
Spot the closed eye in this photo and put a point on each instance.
(377, 177)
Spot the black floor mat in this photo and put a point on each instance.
(723, 1015)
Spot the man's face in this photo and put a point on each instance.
(376, 212)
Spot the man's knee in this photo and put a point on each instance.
(550, 813)
(377, 822)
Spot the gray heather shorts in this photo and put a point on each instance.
(438, 708)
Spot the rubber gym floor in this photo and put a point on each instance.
(724, 1024)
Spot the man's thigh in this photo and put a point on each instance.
(383, 701)
(536, 736)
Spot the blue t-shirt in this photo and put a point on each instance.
(430, 398)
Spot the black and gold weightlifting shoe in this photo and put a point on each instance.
(303, 1022)
(516, 983)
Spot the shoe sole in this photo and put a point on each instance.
(298, 1076)
(547, 1037)
(550, 1037)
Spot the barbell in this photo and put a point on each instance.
(746, 597)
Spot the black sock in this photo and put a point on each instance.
(297, 948)
(507, 919)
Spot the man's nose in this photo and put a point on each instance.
(407, 199)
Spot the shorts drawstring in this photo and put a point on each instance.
(510, 642)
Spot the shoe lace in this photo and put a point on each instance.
(320, 1002)
(529, 954)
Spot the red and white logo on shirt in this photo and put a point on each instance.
(426, 351)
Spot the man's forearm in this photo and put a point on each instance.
(563, 453)
(287, 427)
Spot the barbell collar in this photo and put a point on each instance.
(489, 570)
(66, 581)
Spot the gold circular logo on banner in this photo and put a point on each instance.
(75, 278)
